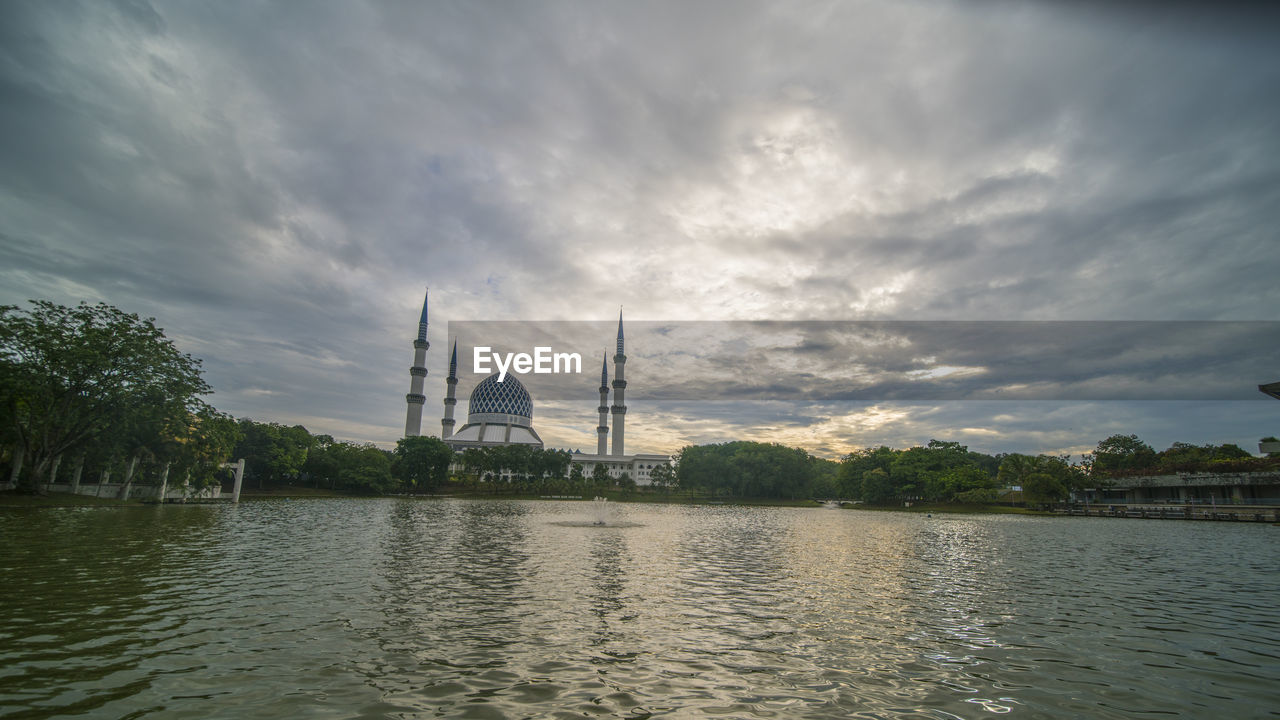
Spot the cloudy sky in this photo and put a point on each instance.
(276, 183)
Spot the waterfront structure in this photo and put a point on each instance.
(1190, 488)
(501, 413)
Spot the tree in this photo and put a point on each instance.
(1014, 469)
(856, 464)
(877, 486)
(273, 453)
(950, 484)
(662, 476)
(70, 374)
(203, 445)
(422, 462)
(600, 476)
(351, 467)
(1041, 488)
(1027, 471)
(1122, 453)
(747, 469)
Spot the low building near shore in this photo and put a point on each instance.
(1190, 488)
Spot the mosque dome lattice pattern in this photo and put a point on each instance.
(507, 397)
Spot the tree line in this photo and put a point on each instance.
(92, 388)
(754, 469)
(91, 393)
(941, 471)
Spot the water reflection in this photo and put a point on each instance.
(446, 608)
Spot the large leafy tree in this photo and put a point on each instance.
(747, 469)
(73, 375)
(351, 468)
(273, 453)
(421, 462)
(1042, 488)
(1120, 453)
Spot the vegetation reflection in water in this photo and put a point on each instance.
(404, 608)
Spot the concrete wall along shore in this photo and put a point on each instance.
(138, 492)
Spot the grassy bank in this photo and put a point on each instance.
(943, 508)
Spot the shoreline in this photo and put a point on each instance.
(15, 499)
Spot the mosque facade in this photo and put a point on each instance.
(501, 413)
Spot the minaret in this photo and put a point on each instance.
(602, 444)
(418, 375)
(619, 386)
(446, 425)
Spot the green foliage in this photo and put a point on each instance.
(1125, 455)
(662, 477)
(72, 378)
(1122, 452)
(980, 496)
(351, 467)
(274, 454)
(522, 468)
(938, 471)
(203, 444)
(1185, 457)
(600, 476)
(855, 466)
(1042, 488)
(876, 487)
(747, 469)
(421, 462)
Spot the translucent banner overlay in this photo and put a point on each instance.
(864, 361)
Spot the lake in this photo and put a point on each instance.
(408, 608)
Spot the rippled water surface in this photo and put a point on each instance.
(399, 608)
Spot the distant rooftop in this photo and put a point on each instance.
(1272, 389)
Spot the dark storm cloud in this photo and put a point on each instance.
(807, 364)
(276, 182)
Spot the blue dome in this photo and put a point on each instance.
(493, 398)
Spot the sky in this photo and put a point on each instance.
(277, 183)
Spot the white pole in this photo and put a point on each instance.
(164, 482)
(75, 477)
(235, 492)
(18, 454)
(53, 472)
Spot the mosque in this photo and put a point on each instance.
(501, 413)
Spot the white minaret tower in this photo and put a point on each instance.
(602, 430)
(418, 375)
(446, 425)
(619, 388)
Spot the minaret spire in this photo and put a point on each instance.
(446, 424)
(619, 329)
(619, 389)
(417, 376)
(602, 430)
(422, 321)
